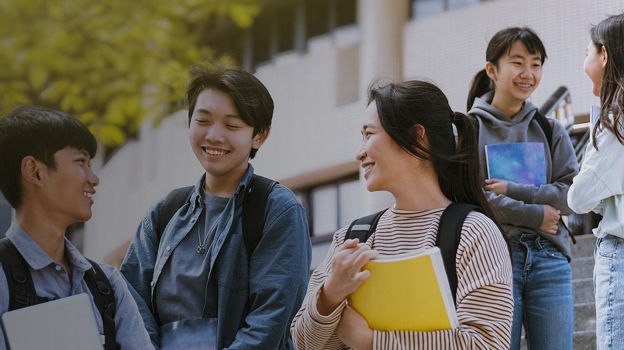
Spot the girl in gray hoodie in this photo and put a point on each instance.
(542, 278)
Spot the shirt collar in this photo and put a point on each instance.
(36, 257)
(196, 196)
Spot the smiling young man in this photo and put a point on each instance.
(210, 260)
(45, 175)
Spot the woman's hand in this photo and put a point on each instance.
(346, 275)
(551, 219)
(496, 186)
(354, 331)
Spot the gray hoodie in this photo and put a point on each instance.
(521, 210)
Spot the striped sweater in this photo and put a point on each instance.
(484, 288)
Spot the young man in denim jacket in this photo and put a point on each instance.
(198, 278)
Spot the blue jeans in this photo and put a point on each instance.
(543, 298)
(608, 287)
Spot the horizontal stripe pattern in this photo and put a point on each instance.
(484, 290)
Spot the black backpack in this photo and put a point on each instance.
(22, 289)
(254, 206)
(449, 234)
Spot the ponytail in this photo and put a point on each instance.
(463, 182)
(403, 105)
(481, 84)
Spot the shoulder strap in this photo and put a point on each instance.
(174, 200)
(449, 234)
(364, 227)
(104, 299)
(254, 207)
(22, 291)
(546, 127)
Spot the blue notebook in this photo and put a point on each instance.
(522, 162)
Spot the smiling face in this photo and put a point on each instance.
(220, 139)
(384, 162)
(594, 65)
(67, 190)
(516, 75)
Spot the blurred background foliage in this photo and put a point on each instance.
(111, 63)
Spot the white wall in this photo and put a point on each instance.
(450, 49)
(311, 132)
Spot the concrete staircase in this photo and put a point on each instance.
(582, 284)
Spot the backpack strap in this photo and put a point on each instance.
(254, 207)
(364, 227)
(22, 291)
(174, 200)
(104, 299)
(449, 234)
(546, 127)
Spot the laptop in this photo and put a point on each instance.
(67, 323)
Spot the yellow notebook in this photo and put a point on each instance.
(406, 292)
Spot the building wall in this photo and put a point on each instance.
(319, 103)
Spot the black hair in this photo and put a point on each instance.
(251, 98)
(609, 33)
(38, 132)
(500, 44)
(402, 106)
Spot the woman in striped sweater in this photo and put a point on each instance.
(410, 150)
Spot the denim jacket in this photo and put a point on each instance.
(257, 297)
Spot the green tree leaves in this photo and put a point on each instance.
(112, 63)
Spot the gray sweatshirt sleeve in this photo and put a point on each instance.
(515, 212)
(564, 168)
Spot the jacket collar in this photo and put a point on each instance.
(198, 189)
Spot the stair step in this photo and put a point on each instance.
(582, 267)
(585, 340)
(585, 317)
(584, 246)
(583, 290)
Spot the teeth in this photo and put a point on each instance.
(214, 152)
(524, 85)
(87, 194)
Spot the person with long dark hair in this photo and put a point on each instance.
(530, 213)
(600, 184)
(410, 150)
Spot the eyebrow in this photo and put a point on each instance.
(534, 58)
(83, 153)
(205, 111)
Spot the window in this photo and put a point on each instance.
(426, 8)
(331, 205)
(346, 12)
(285, 16)
(317, 17)
(262, 39)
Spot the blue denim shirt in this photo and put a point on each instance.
(257, 297)
(51, 281)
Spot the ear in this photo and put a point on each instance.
(604, 56)
(418, 133)
(31, 171)
(490, 70)
(259, 139)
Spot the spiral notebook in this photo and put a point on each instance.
(522, 162)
